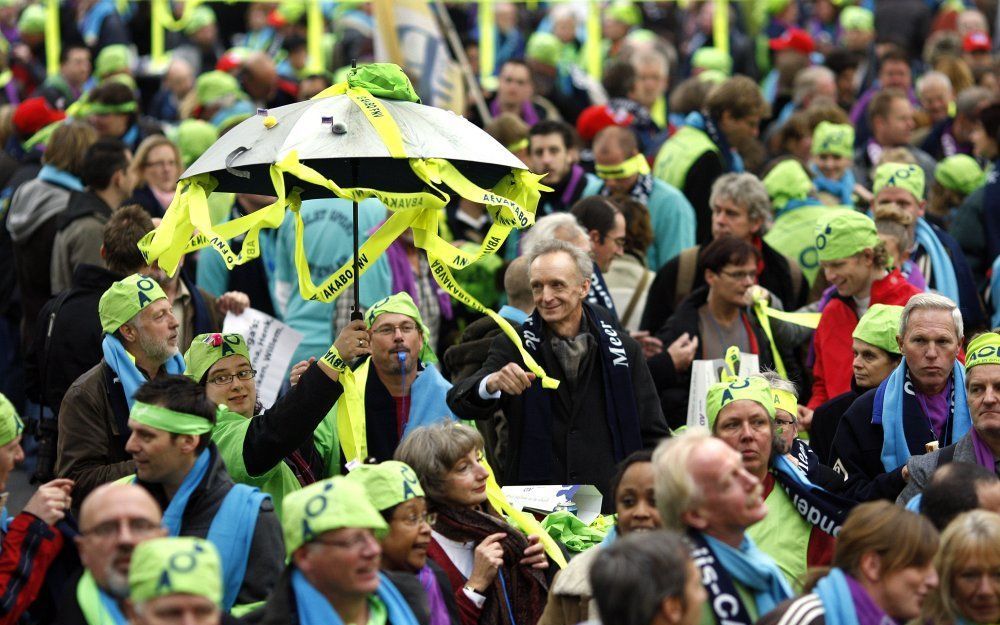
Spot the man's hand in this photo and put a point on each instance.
(805, 418)
(51, 501)
(512, 380)
(232, 302)
(353, 341)
(682, 351)
(534, 554)
(650, 345)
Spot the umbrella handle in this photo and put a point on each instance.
(235, 154)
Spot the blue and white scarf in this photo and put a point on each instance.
(942, 272)
(123, 364)
(314, 609)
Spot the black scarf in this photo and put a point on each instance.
(722, 594)
(815, 504)
(599, 295)
(619, 400)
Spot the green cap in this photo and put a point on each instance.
(711, 58)
(32, 20)
(721, 394)
(125, 299)
(787, 181)
(641, 35)
(624, 11)
(544, 48)
(879, 327)
(905, 176)
(857, 18)
(775, 6)
(960, 173)
(830, 138)
(984, 349)
(11, 425)
(182, 565)
(193, 137)
(215, 85)
(170, 420)
(203, 16)
(112, 59)
(713, 76)
(844, 234)
(327, 505)
(208, 349)
(402, 304)
(388, 484)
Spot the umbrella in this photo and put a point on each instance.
(368, 137)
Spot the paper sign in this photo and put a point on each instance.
(271, 344)
(546, 499)
(705, 373)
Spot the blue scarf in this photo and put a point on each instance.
(131, 137)
(839, 607)
(888, 412)
(174, 514)
(842, 189)
(510, 313)
(751, 567)
(816, 505)
(93, 20)
(122, 363)
(427, 400)
(58, 177)
(734, 162)
(942, 270)
(314, 609)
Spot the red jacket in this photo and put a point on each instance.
(29, 548)
(832, 342)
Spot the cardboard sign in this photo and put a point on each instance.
(271, 345)
(705, 373)
(546, 499)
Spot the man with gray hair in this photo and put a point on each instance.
(953, 135)
(605, 405)
(936, 96)
(741, 208)
(920, 407)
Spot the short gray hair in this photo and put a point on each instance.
(432, 451)
(808, 80)
(931, 78)
(555, 226)
(744, 190)
(931, 301)
(651, 57)
(970, 99)
(552, 246)
(675, 490)
(778, 383)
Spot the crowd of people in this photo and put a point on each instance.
(819, 193)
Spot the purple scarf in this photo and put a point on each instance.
(402, 278)
(984, 456)
(435, 600)
(528, 113)
(937, 407)
(864, 606)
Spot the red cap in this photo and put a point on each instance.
(794, 39)
(229, 61)
(276, 19)
(977, 42)
(596, 118)
(34, 114)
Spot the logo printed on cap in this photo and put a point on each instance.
(727, 396)
(409, 479)
(313, 508)
(144, 284)
(183, 562)
(821, 238)
(984, 352)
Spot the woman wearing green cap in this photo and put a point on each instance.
(285, 447)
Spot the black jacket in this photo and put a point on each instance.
(144, 197)
(825, 421)
(582, 451)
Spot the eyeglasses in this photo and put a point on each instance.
(785, 422)
(390, 330)
(740, 276)
(355, 543)
(111, 529)
(224, 379)
(414, 519)
(152, 164)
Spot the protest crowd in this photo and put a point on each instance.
(739, 362)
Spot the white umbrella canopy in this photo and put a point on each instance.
(333, 136)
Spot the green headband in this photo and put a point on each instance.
(331, 504)
(401, 303)
(900, 175)
(169, 420)
(983, 350)
(783, 400)
(879, 327)
(844, 234)
(208, 349)
(185, 565)
(722, 394)
(830, 138)
(11, 425)
(960, 173)
(125, 299)
(787, 181)
(517, 146)
(635, 166)
(96, 108)
(388, 484)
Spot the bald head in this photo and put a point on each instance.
(108, 500)
(615, 139)
(260, 76)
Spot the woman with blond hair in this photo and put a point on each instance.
(157, 165)
(968, 565)
(882, 572)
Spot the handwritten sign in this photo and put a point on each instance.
(271, 344)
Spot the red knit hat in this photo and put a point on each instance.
(977, 42)
(34, 114)
(794, 39)
(596, 118)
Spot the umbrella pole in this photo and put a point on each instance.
(356, 311)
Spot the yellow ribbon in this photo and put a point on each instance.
(730, 365)
(637, 165)
(765, 313)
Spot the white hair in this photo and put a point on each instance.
(934, 78)
(931, 301)
(551, 246)
(562, 226)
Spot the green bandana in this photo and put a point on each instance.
(857, 18)
(787, 181)
(388, 484)
(722, 394)
(383, 80)
(125, 299)
(11, 425)
(402, 304)
(203, 16)
(983, 350)
(901, 175)
(193, 137)
(32, 20)
(183, 565)
(215, 85)
(327, 505)
(96, 108)
(635, 166)
(112, 59)
(544, 48)
(169, 420)
(830, 138)
(208, 349)
(960, 173)
(844, 234)
(710, 58)
(879, 327)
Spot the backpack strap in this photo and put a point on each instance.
(232, 532)
(636, 296)
(687, 265)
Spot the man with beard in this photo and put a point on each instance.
(552, 150)
(114, 518)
